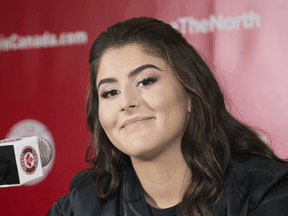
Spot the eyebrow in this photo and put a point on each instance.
(130, 75)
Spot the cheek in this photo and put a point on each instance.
(107, 117)
(164, 100)
(170, 105)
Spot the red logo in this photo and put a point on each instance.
(29, 160)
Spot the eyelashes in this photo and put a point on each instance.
(147, 82)
(110, 93)
(142, 84)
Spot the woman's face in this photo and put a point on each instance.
(142, 107)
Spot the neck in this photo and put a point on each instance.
(164, 179)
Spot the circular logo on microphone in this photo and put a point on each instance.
(29, 160)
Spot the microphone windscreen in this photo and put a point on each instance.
(46, 151)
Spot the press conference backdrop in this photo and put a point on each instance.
(44, 47)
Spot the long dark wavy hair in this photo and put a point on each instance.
(212, 134)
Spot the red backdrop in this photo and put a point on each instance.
(44, 48)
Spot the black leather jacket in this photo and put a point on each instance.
(254, 186)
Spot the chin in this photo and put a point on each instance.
(145, 153)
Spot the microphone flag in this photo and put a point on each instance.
(20, 161)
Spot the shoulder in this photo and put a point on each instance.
(81, 199)
(260, 183)
(249, 164)
(82, 178)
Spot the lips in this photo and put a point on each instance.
(133, 120)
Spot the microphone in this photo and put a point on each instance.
(22, 160)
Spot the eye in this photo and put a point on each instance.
(147, 82)
(110, 93)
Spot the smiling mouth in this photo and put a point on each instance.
(137, 123)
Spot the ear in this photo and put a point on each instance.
(189, 104)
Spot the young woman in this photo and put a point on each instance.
(163, 142)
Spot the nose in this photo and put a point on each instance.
(129, 99)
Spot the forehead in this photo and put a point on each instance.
(116, 62)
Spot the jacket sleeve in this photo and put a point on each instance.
(275, 201)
